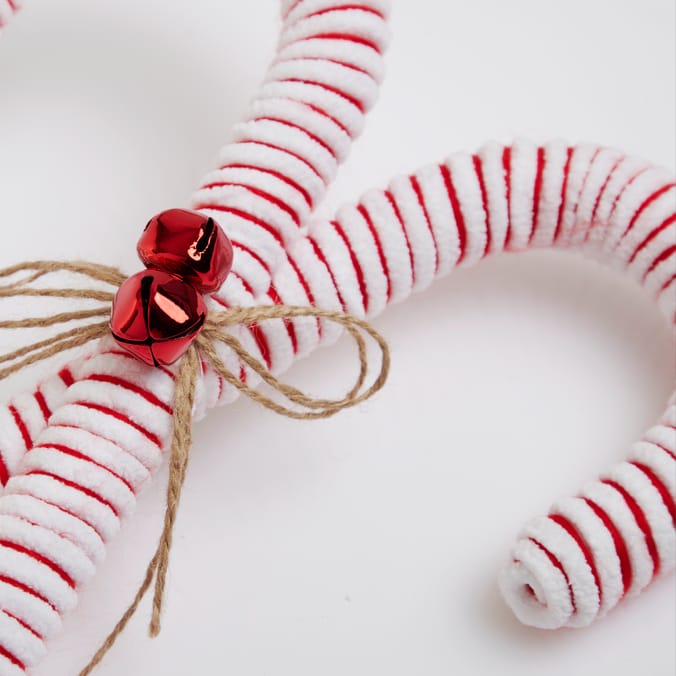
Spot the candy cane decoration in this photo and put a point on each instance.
(78, 449)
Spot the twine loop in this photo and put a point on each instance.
(294, 402)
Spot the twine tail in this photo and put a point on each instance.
(120, 626)
(71, 338)
(180, 454)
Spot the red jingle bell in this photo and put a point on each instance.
(156, 316)
(188, 244)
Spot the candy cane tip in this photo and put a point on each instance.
(535, 590)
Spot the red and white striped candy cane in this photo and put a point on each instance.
(75, 452)
(78, 450)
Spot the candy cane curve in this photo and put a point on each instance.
(567, 569)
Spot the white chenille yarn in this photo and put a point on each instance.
(75, 452)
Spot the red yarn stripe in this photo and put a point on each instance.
(246, 216)
(537, 191)
(669, 452)
(644, 205)
(568, 526)
(659, 486)
(79, 517)
(651, 235)
(342, 8)
(457, 211)
(306, 288)
(268, 197)
(662, 257)
(355, 264)
(343, 36)
(320, 255)
(506, 171)
(25, 625)
(288, 323)
(71, 484)
(253, 254)
(262, 342)
(128, 355)
(323, 113)
(618, 541)
(583, 187)
(601, 192)
(315, 108)
(131, 387)
(557, 564)
(245, 284)
(73, 453)
(418, 192)
(641, 522)
(351, 66)
(397, 213)
(302, 280)
(14, 660)
(292, 7)
(334, 90)
(122, 418)
(478, 170)
(4, 472)
(564, 190)
(293, 125)
(619, 195)
(42, 403)
(379, 246)
(277, 174)
(21, 425)
(25, 588)
(286, 151)
(40, 559)
(667, 283)
(66, 376)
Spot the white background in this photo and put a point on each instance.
(370, 543)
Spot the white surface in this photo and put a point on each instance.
(370, 543)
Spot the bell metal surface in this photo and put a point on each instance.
(188, 244)
(156, 316)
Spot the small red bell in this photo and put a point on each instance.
(188, 244)
(156, 316)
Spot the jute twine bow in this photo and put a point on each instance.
(299, 405)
